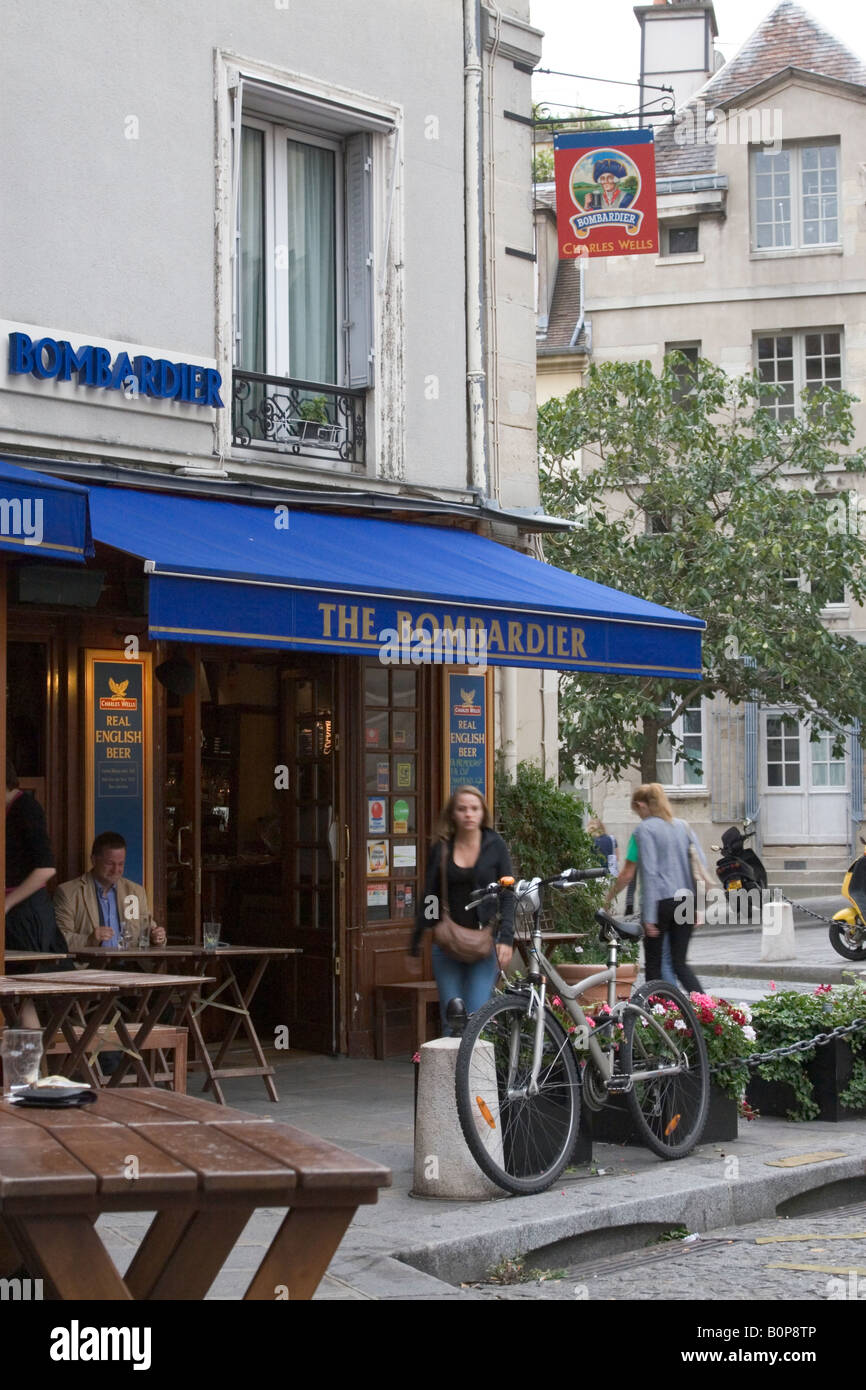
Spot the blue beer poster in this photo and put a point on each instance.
(466, 757)
(118, 755)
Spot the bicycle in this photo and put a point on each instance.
(518, 1081)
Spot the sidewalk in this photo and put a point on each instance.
(422, 1249)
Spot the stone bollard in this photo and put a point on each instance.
(444, 1167)
(777, 934)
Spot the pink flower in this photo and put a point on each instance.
(591, 1022)
(823, 989)
(772, 986)
(556, 1001)
(416, 1057)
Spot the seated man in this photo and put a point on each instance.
(91, 910)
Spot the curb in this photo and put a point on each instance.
(700, 1205)
(802, 974)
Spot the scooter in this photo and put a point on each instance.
(848, 928)
(738, 866)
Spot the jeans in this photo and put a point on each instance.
(667, 972)
(471, 983)
(679, 934)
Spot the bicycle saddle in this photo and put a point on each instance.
(628, 931)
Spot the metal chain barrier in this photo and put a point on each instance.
(819, 916)
(820, 1040)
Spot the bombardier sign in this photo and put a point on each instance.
(52, 359)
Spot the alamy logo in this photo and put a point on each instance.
(22, 518)
(77, 1343)
(698, 124)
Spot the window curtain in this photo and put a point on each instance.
(251, 349)
(311, 263)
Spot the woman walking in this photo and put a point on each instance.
(659, 851)
(467, 854)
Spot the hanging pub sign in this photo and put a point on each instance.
(119, 757)
(606, 193)
(468, 742)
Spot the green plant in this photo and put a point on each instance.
(729, 1036)
(786, 1017)
(314, 408)
(512, 1270)
(543, 828)
(675, 1233)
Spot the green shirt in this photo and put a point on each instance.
(631, 853)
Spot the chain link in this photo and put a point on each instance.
(801, 907)
(820, 1040)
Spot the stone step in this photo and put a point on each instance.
(794, 887)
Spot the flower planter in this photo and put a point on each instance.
(573, 974)
(614, 1124)
(829, 1071)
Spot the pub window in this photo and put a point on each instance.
(391, 850)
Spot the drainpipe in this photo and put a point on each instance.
(578, 328)
(473, 208)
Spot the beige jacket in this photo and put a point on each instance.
(77, 913)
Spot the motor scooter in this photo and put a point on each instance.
(848, 928)
(739, 867)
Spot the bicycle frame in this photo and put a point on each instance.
(569, 994)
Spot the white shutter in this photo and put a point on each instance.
(359, 260)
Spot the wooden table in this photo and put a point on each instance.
(55, 999)
(156, 991)
(35, 957)
(228, 996)
(202, 1170)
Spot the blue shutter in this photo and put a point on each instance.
(359, 260)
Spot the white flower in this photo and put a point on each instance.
(749, 1033)
(658, 1009)
(680, 1023)
(744, 1009)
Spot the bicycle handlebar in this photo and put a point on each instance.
(564, 878)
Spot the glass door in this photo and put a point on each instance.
(315, 842)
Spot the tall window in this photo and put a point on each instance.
(795, 197)
(799, 362)
(685, 736)
(685, 370)
(290, 242)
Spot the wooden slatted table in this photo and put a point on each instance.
(155, 992)
(228, 996)
(55, 1001)
(201, 1169)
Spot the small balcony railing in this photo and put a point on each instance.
(298, 417)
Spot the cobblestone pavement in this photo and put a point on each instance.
(726, 1265)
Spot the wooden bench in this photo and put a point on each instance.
(162, 1038)
(414, 995)
(202, 1168)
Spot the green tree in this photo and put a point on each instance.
(691, 493)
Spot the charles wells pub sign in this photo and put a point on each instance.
(606, 194)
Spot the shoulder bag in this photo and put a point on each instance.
(466, 944)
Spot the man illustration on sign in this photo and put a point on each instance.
(607, 172)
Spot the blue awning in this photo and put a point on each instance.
(43, 517)
(228, 573)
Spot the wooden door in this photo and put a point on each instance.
(315, 849)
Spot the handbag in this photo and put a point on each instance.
(700, 873)
(466, 944)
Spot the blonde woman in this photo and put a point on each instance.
(659, 850)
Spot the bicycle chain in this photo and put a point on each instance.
(755, 1059)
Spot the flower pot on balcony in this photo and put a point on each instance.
(573, 974)
(614, 1125)
(829, 1072)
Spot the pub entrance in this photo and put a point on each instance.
(255, 837)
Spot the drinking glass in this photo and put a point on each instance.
(21, 1050)
(128, 933)
(144, 929)
(211, 934)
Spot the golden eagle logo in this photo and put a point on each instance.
(117, 688)
(468, 696)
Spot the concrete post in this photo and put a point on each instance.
(444, 1167)
(777, 934)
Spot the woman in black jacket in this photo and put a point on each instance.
(476, 856)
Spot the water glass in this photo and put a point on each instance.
(21, 1050)
(211, 934)
(144, 928)
(128, 933)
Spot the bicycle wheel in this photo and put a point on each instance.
(669, 1111)
(521, 1142)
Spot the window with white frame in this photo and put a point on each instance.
(298, 251)
(798, 362)
(681, 747)
(795, 197)
(827, 770)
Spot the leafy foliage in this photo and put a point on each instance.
(543, 828)
(787, 1017)
(692, 495)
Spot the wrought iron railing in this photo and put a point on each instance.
(298, 417)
